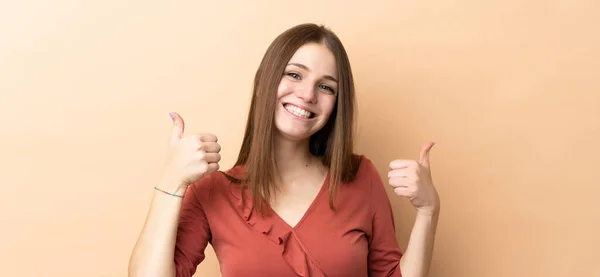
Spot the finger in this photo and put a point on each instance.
(202, 167)
(212, 167)
(178, 127)
(399, 164)
(200, 155)
(210, 147)
(207, 137)
(409, 173)
(212, 157)
(399, 182)
(424, 155)
(404, 191)
(402, 172)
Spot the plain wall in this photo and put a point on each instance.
(509, 90)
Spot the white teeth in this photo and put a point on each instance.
(298, 111)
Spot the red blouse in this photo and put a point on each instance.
(356, 240)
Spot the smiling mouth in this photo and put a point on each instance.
(299, 112)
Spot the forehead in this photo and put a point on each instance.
(317, 57)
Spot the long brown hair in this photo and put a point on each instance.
(334, 142)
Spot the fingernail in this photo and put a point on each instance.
(171, 115)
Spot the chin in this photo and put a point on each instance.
(292, 132)
(291, 136)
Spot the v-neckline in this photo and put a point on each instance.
(313, 204)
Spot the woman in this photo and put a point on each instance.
(297, 202)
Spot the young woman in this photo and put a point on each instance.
(298, 201)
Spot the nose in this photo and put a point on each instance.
(307, 92)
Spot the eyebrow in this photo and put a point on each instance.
(307, 69)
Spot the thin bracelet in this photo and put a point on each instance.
(172, 194)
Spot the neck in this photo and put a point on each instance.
(292, 155)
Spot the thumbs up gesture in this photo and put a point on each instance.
(412, 179)
(190, 157)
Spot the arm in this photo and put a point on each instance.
(384, 256)
(154, 250)
(417, 257)
(176, 231)
(413, 180)
(174, 236)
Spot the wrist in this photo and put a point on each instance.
(432, 211)
(172, 185)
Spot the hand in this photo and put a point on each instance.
(413, 180)
(191, 157)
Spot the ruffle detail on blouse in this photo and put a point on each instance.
(292, 250)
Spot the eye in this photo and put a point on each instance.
(325, 87)
(293, 75)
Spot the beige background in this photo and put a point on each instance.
(509, 90)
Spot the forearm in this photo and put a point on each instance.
(153, 254)
(417, 258)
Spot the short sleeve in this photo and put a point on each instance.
(384, 252)
(193, 231)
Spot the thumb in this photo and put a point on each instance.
(424, 155)
(178, 126)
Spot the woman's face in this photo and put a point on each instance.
(307, 92)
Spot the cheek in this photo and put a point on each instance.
(327, 105)
(283, 88)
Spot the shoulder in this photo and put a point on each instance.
(365, 175)
(365, 169)
(367, 188)
(369, 177)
